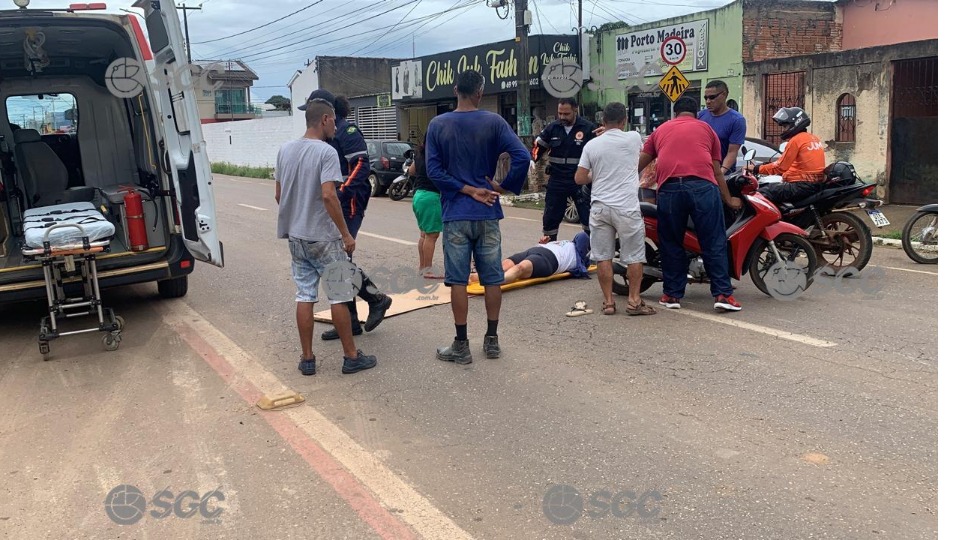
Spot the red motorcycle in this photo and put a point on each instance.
(780, 260)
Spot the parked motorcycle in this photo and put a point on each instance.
(403, 184)
(778, 257)
(840, 237)
(920, 235)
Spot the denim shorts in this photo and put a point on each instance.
(313, 260)
(479, 239)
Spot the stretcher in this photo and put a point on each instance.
(476, 288)
(65, 239)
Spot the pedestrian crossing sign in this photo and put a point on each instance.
(674, 84)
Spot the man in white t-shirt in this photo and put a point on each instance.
(548, 259)
(610, 163)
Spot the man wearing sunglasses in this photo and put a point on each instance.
(729, 125)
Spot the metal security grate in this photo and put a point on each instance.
(847, 118)
(377, 122)
(780, 90)
(915, 88)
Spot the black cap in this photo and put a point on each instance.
(318, 94)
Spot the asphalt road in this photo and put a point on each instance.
(814, 418)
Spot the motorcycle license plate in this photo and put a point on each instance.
(878, 218)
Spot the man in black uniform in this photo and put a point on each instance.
(564, 138)
(354, 193)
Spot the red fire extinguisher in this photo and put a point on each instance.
(136, 226)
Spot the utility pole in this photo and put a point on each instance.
(523, 89)
(580, 41)
(186, 28)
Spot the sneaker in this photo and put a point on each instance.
(459, 352)
(491, 346)
(360, 363)
(308, 366)
(377, 312)
(727, 303)
(332, 334)
(670, 302)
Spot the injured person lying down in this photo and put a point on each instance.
(547, 259)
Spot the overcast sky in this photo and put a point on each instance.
(382, 28)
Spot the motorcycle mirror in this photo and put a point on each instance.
(750, 154)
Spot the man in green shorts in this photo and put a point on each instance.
(426, 207)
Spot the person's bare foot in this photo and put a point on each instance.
(474, 278)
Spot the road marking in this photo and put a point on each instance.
(782, 334)
(387, 238)
(540, 221)
(251, 206)
(909, 270)
(375, 493)
(522, 218)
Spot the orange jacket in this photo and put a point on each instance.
(802, 161)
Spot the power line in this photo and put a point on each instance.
(439, 22)
(353, 36)
(344, 28)
(233, 50)
(392, 28)
(262, 25)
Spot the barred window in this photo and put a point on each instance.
(846, 118)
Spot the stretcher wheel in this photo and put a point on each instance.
(111, 342)
(44, 348)
(120, 322)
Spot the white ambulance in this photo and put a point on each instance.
(91, 109)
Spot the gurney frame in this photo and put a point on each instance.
(57, 260)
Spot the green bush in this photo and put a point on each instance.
(241, 170)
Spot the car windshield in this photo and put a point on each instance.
(395, 149)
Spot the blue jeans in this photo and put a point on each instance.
(479, 239)
(677, 202)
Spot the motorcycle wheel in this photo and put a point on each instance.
(396, 192)
(845, 242)
(570, 215)
(787, 283)
(922, 231)
(621, 284)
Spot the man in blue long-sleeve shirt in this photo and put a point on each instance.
(463, 147)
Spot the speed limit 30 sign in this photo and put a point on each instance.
(673, 50)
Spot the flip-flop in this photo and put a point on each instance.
(579, 308)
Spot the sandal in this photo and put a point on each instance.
(609, 309)
(642, 309)
(578, 309)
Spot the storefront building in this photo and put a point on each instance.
(627, 66)
(422, 88)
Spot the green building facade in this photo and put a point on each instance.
(626, 64)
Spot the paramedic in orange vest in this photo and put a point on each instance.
(801, 164)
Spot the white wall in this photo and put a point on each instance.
(253, 143)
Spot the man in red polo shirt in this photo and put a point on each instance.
(690, 185)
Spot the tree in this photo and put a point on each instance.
(606, 27)
(70, 114)
(279, 102)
